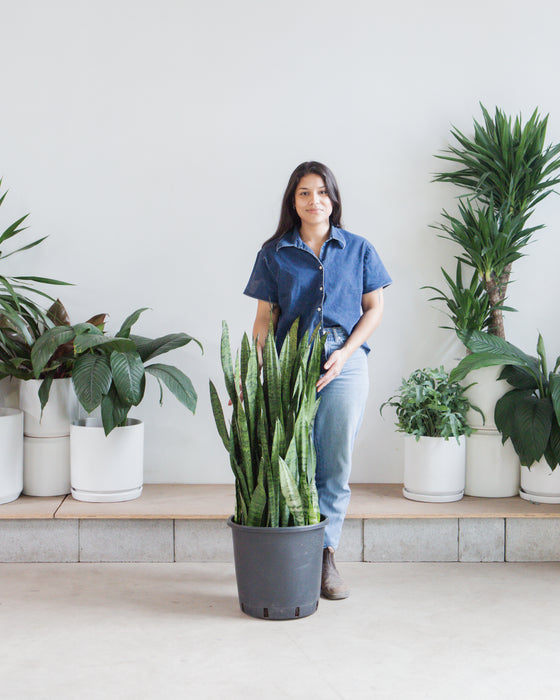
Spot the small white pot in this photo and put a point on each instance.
(11, 454)
(46, 466)
(540, 484)
(434, 469)
(484, 394)
(492, 468)
(61, 408)
(106, 468)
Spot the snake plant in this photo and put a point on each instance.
(270, 435)
(504, 170)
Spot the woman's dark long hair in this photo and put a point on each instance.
(288, 215)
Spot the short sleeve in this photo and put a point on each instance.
(375, 274)
(262, 283)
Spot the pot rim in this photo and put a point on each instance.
(97, 424)
(293, 528)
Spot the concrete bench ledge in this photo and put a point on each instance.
(187, 522)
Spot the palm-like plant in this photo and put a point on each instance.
(505, 171)
(269, 442)
(20, 312)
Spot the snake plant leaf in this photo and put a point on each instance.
(46, 345)
(291, 494)
(237, 470)
(124, 330)
(526, 420)
(128, 373)
(177, 382)
(244, 445)
(218, 412)
(271, 379)
(257, 505)
(92, 379)
(227, 364)
(148, 348)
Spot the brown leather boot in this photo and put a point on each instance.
(332, 585)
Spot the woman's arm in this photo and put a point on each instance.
(372, 307)
(265, 310)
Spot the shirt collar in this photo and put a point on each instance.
(293, 238)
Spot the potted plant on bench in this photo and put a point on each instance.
(277, 528)
(432, 412)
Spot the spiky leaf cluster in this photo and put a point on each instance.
(269, 439)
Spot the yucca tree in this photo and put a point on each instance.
(270, 434)
(505, 170)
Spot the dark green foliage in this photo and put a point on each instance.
(504, 170)
(429, 404)
(529, 414)
(270, 437)
(111, 371)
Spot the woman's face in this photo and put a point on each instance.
(312, 203)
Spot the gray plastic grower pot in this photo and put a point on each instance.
(278, 569)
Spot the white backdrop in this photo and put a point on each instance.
(152, 142)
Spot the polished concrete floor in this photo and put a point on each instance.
(166, 631)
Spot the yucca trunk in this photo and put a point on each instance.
(496, 288)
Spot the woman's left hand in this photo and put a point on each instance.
(334, 366)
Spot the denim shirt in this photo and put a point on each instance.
(325, 290)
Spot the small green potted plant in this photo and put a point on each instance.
(529, 414)
(109, 375)
(277, 528)
(431, 411)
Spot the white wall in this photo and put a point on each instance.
(152, 142)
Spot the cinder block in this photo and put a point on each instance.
(203, 540)
(532, 539)
(404, 539)
(38, 540)
(126, 540)
(481, 539)
(351, 545)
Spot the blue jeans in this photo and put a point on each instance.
(337, 422)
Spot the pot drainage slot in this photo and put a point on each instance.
(265, 612)
(297, 612)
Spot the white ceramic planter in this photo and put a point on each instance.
(106, 468)
(540, 484)
(434, 469)
(11, 454)
(46, 466)
(60, 411)
(484, 394)
(492, 469)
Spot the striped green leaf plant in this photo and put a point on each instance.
(269, 437)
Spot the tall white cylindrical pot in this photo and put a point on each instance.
(492, 467)
(106, 468)
(484, 393)
(434, 469)
(61, 408)
(11, 454)
(540, 484)
(46, 466)
(46, 450)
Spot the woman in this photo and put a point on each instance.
(314, 269)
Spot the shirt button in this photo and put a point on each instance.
(320, 267)
(319, 309)
(320, 289)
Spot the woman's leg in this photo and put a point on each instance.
(338, 420)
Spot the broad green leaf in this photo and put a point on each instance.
(113, 411)
(124, 330)
(91, 379)
(128, 373)
(149, 348)
(106, 343)
(47, 344)
(527, 421)
(177, 382)
(554, 388)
